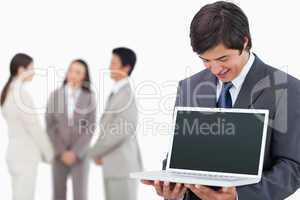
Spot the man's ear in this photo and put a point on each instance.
(127, 68)
(246, 41)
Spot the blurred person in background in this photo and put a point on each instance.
(117, 148)
(70, 119)
(28, 142)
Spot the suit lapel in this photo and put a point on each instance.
(249, 92)
(111, 103)
(114, 98)
(206, 93)
(63, 103)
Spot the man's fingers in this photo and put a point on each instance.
(205, 192)
(204, 189)
(183, 191)
(227, 189)
(177, 189)
(158, 188)
(166, 189)
(147, 182)
(200, 191)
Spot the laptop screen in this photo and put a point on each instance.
(227, 142)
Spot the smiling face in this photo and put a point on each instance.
(226, 64)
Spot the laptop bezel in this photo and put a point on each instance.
(202, 109)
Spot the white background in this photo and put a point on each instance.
(55, 32)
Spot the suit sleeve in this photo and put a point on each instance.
(80, 148)
(51, 124)
(114, 133)
(283, 178)
(34, 128)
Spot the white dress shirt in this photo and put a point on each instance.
(72, 95)
(238, 81)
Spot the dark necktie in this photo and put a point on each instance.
(225, 100)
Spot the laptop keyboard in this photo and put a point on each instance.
(208, 176)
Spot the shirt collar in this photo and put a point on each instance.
(238, 81)
(119, 84)
(69, 90)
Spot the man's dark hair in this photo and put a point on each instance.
(127, 57)
(219, 22)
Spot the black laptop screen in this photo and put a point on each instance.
(218, 142)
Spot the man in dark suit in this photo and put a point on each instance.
(236, 77)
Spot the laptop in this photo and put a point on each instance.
(221, 147)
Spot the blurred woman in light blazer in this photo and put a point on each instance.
(70, 118)
(28, 142)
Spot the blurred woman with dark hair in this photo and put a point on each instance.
(70, 117)
(28, 142)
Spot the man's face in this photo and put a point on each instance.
(117, 70)
(226, 64)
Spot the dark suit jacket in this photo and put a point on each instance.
(264, 88)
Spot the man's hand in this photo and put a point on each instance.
(206, 193)
(98, 161)
(68, 158)
(167, 190)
